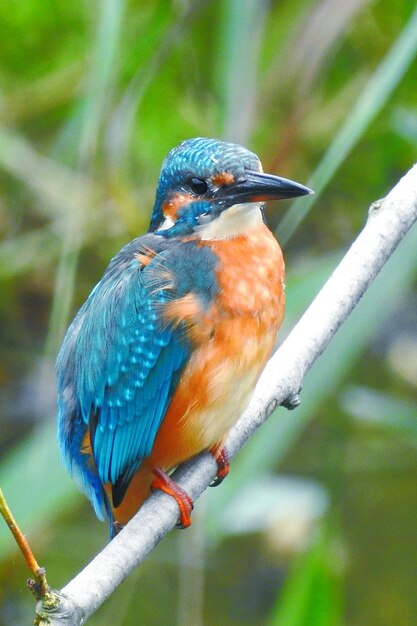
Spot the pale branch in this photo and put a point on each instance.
(389, 220)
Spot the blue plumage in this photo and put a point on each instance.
(120, 362)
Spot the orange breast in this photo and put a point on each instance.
(233, 340)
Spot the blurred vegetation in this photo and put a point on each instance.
(316, 524)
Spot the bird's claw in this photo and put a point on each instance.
(223, 465)
(164, 483)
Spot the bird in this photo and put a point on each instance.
(163, 357)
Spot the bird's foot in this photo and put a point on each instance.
(165, 483)
(223, 464)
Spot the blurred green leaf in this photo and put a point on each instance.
(313, 593)
(370, 102)
(405, 124)
(35, 485)
(100, 83)
(242, 28)
(373, 406)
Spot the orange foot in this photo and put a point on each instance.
(163, 482)
(223, 464)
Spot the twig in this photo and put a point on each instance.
(388, 222)
(39, 587)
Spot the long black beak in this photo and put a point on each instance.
(259, 187)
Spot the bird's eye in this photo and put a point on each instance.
(198, 186)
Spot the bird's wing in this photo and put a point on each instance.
(119, 367)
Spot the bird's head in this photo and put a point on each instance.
(214, 190)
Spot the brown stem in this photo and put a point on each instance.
(38, 587)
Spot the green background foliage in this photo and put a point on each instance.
(315, 525)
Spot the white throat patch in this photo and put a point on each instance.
(237, 220)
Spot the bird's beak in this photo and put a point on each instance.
(259, 187)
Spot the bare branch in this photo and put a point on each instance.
(388, 222)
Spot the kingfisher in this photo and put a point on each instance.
(162, 358)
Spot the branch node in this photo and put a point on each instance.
(39, 588)
(54, 606)
(375, 207)
(292, 401)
